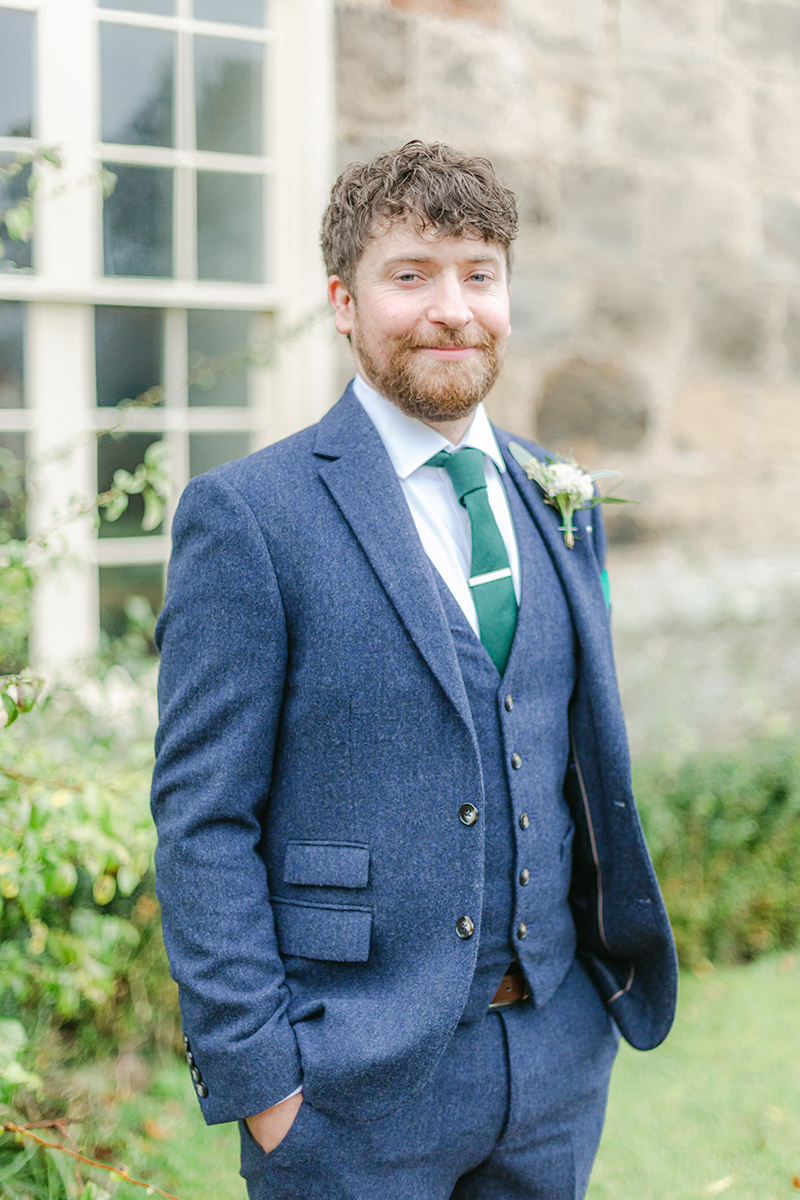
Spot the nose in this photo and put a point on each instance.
(449, 305)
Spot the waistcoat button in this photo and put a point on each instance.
(201, 1090)
(522, 930)
(516, 761)
(524, 876)
(524, 820)
(468, 814)
(509, 702)
(464, 927)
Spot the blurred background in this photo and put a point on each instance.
(174, 159)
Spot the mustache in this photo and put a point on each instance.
(453, 339)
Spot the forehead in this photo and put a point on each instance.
(405, 241)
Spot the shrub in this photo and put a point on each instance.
(724, 831)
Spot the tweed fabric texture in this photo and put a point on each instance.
(513, 1111)
(309, 692)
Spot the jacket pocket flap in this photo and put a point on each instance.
(327, 864)
(333, 933)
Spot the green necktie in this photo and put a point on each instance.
(489, 574)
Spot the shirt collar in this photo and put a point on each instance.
(410, 442)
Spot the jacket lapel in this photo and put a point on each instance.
(359, 475)
(577, 568)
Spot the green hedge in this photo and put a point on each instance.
(724, 832)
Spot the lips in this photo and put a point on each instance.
(448, 353)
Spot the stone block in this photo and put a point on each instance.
(666, 111)
(485, 11)
(791, 333)
(630, 314)
(764, 33)
(474, 87)
(573, 23)
(601, 207)
(705, 419)
(703, 221)
(533, 183)
(782, 229)
(372, 64)
(548, 303)
(592, 408)
(577, 107)
(666, 27)
(730, 327)
(776, 128)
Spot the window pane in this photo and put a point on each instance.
(18, 256)
(123, 452)
(12, 351)
(217, 345)
(137, 67)
(207, 450)
(234, 12)
(121, 588)
(229, 227)
(137, 222)
(17, 91)
(228, 83)
(128, 352)
(12, 482)
(162, 8)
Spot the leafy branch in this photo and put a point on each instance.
(25, 1131)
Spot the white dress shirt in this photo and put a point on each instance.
(442, 523)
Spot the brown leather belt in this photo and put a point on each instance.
(513, 987)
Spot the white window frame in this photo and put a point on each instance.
(68, 280)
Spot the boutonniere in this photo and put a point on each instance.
(566, 486)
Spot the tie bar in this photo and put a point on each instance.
(489, 576)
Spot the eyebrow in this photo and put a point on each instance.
(426, 258)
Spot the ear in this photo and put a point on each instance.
(341, 301)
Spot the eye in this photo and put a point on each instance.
(408, 277)
(479, 277)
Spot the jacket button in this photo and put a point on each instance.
(509, 702)
(524, 820)
(196, 1076)
(464, 927)
(522, 930)
(516, 761)
(201, 1090)
(524, 876)
(468, 814)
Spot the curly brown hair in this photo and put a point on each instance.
(456, 194)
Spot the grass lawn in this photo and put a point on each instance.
(715, 1111)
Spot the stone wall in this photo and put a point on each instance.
(655, 149)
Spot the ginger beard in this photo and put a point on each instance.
(427, 388)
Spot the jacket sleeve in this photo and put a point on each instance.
(223, 641)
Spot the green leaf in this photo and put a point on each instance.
(522, 456)
(9, 704)
(19, 221)
(153, 510)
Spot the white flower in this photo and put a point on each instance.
(565, 478)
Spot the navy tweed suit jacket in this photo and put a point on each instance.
(315, 744)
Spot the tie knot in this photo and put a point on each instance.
(465, 468)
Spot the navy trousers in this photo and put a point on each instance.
(514, 1111)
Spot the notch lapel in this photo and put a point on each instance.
(576, 568)
(359, 475)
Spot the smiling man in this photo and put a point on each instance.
(404, 887)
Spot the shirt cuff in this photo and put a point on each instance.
(296, 1092)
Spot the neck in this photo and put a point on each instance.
(452, 430)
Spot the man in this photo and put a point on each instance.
(405, 891)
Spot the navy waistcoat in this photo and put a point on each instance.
(527, 824)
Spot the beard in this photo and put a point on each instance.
(430, 389)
